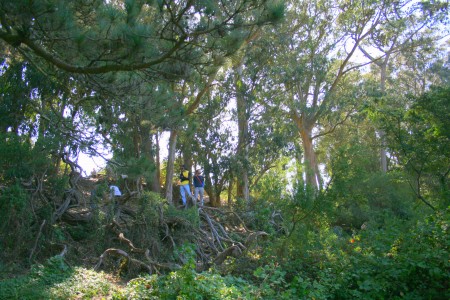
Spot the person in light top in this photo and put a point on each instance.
(114, 194)
(115, 191)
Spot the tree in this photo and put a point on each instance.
(102, 37)
(407, 27)
(312, 55)
(419, 137)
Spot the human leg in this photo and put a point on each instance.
(183, 196)
(201, 191)
(188, 192)
(195, 195)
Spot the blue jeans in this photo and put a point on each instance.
(198, 191)
(183, 190)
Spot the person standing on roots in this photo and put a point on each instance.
(199, 184)
(184, 185)
(114, 195)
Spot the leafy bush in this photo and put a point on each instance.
(56, 280)
(16, 221)
(186, 283)
(15, 157)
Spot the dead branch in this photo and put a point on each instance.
(64, 252)
(233, 251)
(169, 266)
(119, 252)
(126, 197)
(168, 235)
(130, 244)
(253, 237)
(221, 211)
(37, 239)
(77, 215)
(215, 236)
(61, 210)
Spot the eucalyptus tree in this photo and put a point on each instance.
(418, 138)
(262, 132)
(312, 57)
(408, 29)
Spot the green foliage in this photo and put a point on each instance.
(16, 221)
(401, 259)
(187, 284)
(15, 158)
(395, 262)
(419, 137)
(56, 280)
(35, 284)
(359, 192)
(271, 279)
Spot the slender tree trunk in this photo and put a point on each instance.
(211, 187)
(242, 149)
(383, 155)
(170, 165)
(209, 184)
(230, 190)
(217, 189)
(139, 138)
(157, 163)
(150, 154)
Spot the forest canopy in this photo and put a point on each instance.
(320, 131)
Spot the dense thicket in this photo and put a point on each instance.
(321, 128)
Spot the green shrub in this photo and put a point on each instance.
(397, 262)
(187, 284)
(35, 284)
(16, 221)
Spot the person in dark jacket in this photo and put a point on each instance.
(199, 184)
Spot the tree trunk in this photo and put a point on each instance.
(154, 158)
(230, 190)
(209, 190)
(242, 149)
(311, 168)
(157, 164)
(170, 165)
(148, 152)
(383, 156)
(310, 159)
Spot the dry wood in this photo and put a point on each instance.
(233, 251)
(37, 239)
(119, 252)
(63, 252)
(130, 244)
(253, 237)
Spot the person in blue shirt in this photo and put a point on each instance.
(199, 184)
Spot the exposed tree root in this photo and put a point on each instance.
(216, 233)
(212, 238)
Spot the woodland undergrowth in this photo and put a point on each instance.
(294, 248)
